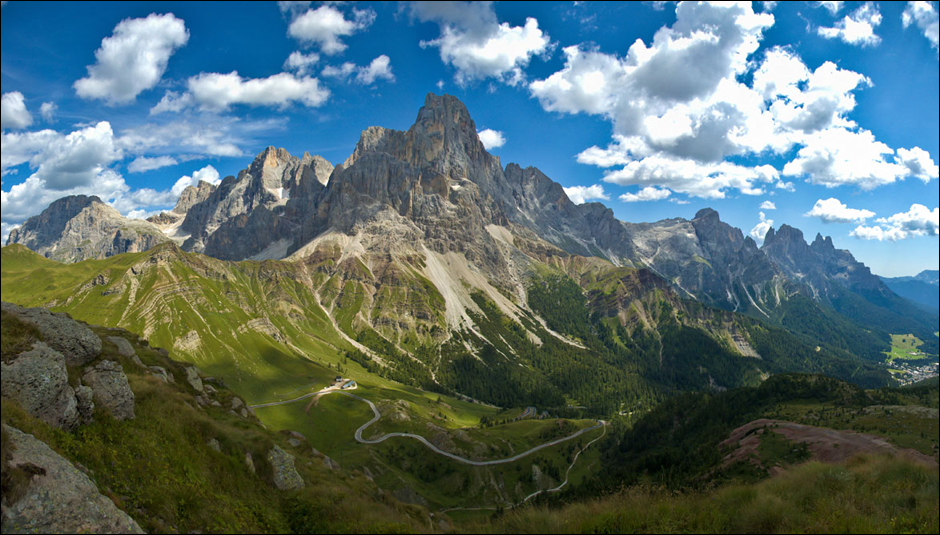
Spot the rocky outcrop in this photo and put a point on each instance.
(39, 381)
(78, 228)
(125, 349)
(111, 389)
(286, 476)
(161, 373)
(192, 377)
(75, 341)
(59, 498)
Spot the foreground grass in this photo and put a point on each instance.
(864, 495)
(162, 469)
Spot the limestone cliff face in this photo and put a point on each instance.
(78, 228)
(820, 265)
(169, 222)
(239, 218)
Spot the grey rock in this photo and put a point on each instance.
(76, 342)
(240, 218)
(111, 389)
(209, 389)
(250, 462)
(78, 228)
(408, 495)
(192, 377)
(60, 498)
(161, 373)
(286, 476)
(245, 413)
(136, 360)
(237, 404)
(214, 444)
(84, 398)
(39, 381)
(330, 463)
(821, 266)
(191, 196)
(125, 349)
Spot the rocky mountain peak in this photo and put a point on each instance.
(321, 168)
(707, 214)
(771, 235)
(80, 227)
(192, 196)
(823, 244)
(444, 131)
(785, 236)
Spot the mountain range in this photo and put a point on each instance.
(923, 288)
(420, 248)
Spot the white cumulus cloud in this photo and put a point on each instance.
(918, 221)
(215, 91)
(834, 211)
(13, 112)
(925, 16)
(768, 205)
(300, 62)
(839, 156)
(142, 164)
(583, 194)
(492, 139)
(759, 232)
(133, 59)
(646, 194)
(48, 110)
(833, 6)
(695, 96)
(379, 68)
(857, 28)
(206, 174)
(473, 41)
(325, 26)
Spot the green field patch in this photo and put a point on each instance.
(905, 347)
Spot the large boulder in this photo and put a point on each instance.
(125, 349)
(111, 390)
(192, 377)
(59, 498)
(286, 476)
(75, 341)
(39, 381)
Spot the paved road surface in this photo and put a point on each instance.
(432, 447)
(439, 451)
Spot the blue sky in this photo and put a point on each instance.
(821, 115)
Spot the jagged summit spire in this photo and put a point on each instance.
(447, 115)
(707, 213)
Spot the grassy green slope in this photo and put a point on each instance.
(160, 468)
(262, 328)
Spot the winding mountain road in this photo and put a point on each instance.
(439, 451)
(421, 439)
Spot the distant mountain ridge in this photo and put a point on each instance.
(922, 289)
(79, 227)
(431, 204)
